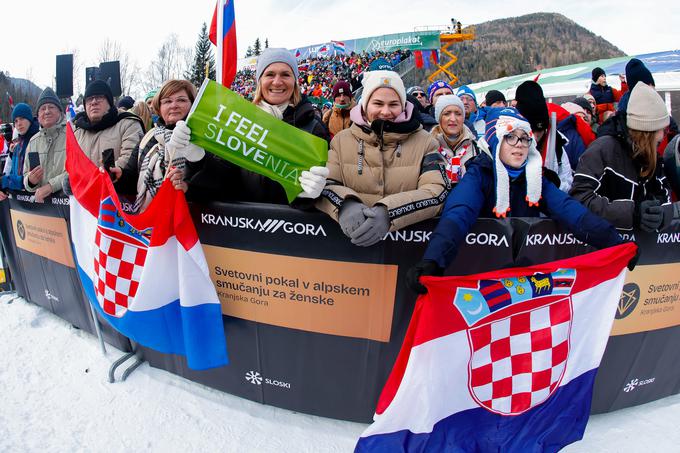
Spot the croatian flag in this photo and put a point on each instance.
(144, 274)
(224, 19)
(502, 361)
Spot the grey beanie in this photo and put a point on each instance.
(646, 110)
(48, 96)
(276, 55)
(445, 101)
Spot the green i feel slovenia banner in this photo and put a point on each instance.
(225, 124)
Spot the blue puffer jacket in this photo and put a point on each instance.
(575, 147)
(475, 196)
(602, 94)
(15, 179)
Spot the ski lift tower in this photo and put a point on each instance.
(449, 34)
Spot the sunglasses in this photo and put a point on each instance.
(419, 94)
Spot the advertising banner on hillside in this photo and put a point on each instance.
(383, 43)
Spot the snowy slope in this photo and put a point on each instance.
(54, 396)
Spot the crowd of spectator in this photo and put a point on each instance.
(396, 156)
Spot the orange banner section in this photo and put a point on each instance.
(43, 235)
(330, 297)
(650, 299)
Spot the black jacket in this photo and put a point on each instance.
(608, 182)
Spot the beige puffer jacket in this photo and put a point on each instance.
(122, 137)
(50, 144)
(400, 170)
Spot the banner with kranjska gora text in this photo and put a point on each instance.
(225, 124)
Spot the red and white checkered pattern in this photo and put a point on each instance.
(518, 362)
(118, 267)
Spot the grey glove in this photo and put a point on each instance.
(351, 216)
(375, 227)
(651, 215)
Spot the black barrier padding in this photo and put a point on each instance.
(10, 247)
(53, 286)
(636, 369)
(342, 377)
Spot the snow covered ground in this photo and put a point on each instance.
(54, 396)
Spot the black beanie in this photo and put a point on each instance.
(636, 71)
(531, 104)
(126, 102)
(583, 103)
(597, 72)
(99, 87)
(493, 96)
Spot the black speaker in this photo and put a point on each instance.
(109, 72)
(91, 74)
(65, 76)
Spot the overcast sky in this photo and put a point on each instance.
(36, 31)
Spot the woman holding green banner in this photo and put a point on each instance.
(385, 170)
(277, 93)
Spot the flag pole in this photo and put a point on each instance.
(219, 37)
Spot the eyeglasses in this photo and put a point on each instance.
(168, 101)
(95, 98)
(513, 140)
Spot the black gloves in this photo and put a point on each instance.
(422, 268)
(633, 261)
(649, 215)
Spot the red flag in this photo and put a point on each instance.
(418, 54)
(434, 57)
(225, 41)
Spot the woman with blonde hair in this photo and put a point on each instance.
(142, 111)
(619, 176)
(277, 93)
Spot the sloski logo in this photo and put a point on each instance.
(119, 260)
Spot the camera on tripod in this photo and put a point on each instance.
(6, 130)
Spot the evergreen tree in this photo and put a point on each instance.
(204, 56)
(249, 52)
(266, 43)
(257, 47)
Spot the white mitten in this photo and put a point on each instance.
(313, 182)
(180, 141)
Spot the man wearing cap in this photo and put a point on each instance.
(474, 116)
(605, 96)
(26, 126)
(337, 118)
(101, 127)
(418, 93)
(50, 145)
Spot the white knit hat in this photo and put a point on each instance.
(382, 79)
(445, 101)
(646, 110)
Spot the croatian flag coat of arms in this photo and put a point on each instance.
(501, 361)
(145, 274)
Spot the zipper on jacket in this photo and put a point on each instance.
(360, 164)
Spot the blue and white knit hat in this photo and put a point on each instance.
(501, 122)
(437, 84)
(465, 90)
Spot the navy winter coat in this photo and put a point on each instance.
(475, 196)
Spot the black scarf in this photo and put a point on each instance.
(111, 118)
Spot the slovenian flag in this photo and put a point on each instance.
(144, 274)
(519, 378)
(224, 19)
